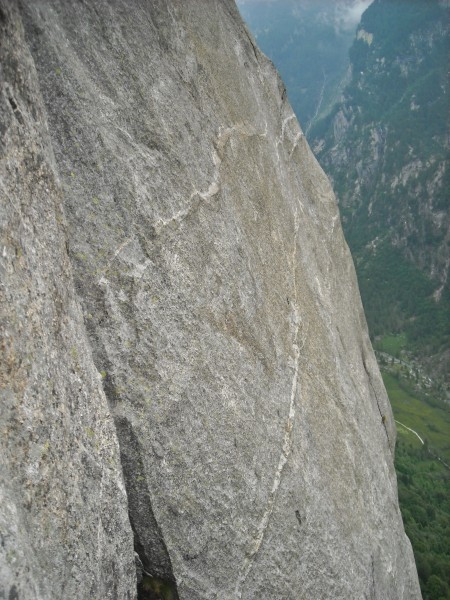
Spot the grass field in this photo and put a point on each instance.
(424, 482)
(430, 422)
(391, 344)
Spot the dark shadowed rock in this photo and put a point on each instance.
(222, 310)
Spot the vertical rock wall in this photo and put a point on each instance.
(64, 529)
(221, 307)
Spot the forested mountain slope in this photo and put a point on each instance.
(385, 147)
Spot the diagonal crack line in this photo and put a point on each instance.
(249, 37)
(287, 439)
(197, 196)
(376, 399)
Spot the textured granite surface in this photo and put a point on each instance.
(64, 527)
(222, 312)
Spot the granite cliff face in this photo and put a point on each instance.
(170, 243)
(64, 529)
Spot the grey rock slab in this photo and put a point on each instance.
(64, 528)
(222, 308)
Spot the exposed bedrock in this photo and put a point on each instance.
(64, 528)
(219, 305)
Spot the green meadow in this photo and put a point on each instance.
(392, 344)
(425, 415)
(423, 481)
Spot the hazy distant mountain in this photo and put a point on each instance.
(308, 40)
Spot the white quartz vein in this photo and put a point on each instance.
(295, 143)
(280, 140)
(112, 259)
(197, 196)
(287, 438)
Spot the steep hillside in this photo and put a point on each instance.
(386, 149)
(177, 291)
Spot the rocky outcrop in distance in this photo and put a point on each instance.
(191, 408)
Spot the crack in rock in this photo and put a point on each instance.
(153, 562)
(383, 417)
(280, 139)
